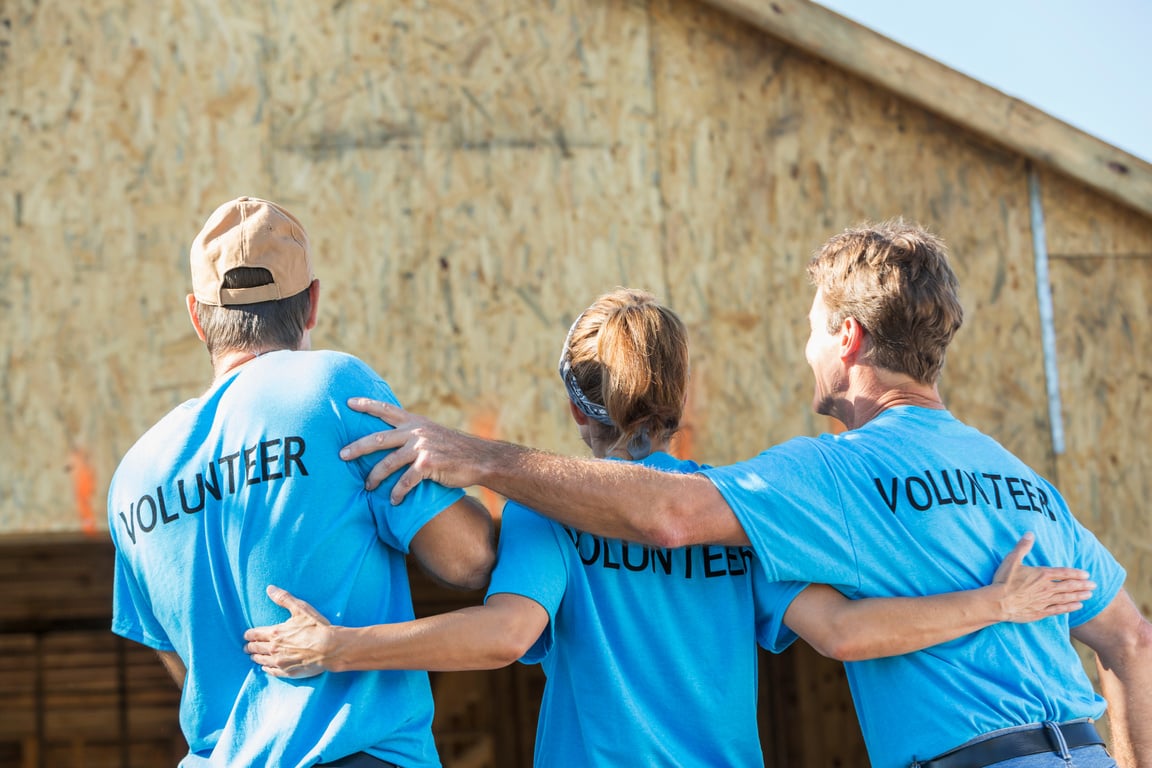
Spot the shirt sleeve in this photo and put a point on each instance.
(1101, 566)
(772, 599)
(530, 562)
(396, 524)
(132, 615)
(788, 502)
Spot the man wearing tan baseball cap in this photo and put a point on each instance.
(243, 487)
(250, 232)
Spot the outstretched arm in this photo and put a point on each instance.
(485, 636)
(853, 630)
(592, 495)
(1122, 640)
(457, 547)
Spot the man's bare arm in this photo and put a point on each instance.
(608, 498)
(457, 547)
(1122, 640)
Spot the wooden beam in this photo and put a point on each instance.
(953, 95)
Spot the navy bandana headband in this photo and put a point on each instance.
(587, 407)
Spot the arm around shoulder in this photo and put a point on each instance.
(617, 499)
(620, 499)
(1122, 640)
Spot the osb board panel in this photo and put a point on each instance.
(472, 175)
(765, 152)
(503, 159)
(1101, 265)
(1078, 224)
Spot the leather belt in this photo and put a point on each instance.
(1034, 741)
(359, 760)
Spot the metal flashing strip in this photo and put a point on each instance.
(1047, 315)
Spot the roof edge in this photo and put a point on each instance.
(949, 93)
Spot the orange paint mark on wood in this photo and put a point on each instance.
(483, 423)
(83, 488)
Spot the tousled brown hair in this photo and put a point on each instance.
(895, 280)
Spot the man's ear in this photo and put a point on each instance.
(191, 301)
(314, 298)
(852, 338)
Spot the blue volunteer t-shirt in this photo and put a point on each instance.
(244, 487)
(650, 653)
(917, 503)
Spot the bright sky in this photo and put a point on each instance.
(1086, 63)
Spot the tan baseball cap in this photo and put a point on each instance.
(250, 232)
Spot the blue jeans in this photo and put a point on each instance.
(1084, 757)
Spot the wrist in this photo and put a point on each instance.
(335, 658)
(494, 461)
(996, 604)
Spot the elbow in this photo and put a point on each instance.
(841, 649)
(470, 571)
(663, 536)
(515, 638)
(476, 572)
(472, 566)
(849, 652)
(1130, 647)
(508, 652)
(841, 638)
(669, 525)
(686, 512)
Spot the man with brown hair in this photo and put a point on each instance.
(908, 501)
(242, 486)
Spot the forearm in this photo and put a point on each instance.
(877, 627)
(467, 639)
(610, 498)
(1122, 640)
(853, 630)
(1126, 682)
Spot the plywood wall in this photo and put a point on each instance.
(1102, 291)
(472, 174)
